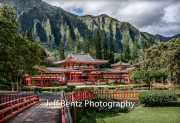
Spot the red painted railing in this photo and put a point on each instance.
(65, 112)
(78, 96)
(15, 105)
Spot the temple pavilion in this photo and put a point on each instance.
(80, 69)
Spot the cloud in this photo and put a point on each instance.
(155, 16)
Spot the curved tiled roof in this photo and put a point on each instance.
(58, 69)
(115, 70)
(120, 63)
(81, 58)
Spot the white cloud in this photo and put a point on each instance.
(154, 17)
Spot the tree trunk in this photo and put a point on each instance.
(162, 81)
(17, 84)
(12, 85)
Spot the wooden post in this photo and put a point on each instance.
(127, 94)
(121, 93)
(133, 94)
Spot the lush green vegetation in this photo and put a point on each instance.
(164, 56)
(165, 113)
(157, 114)
(19, 53)
(156, 97)
(55, 84)
(148, 76)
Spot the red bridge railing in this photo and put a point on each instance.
(84, 95)
(13, 104)
(78, 96)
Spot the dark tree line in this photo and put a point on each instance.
(99, 47)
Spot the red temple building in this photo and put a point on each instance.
(80, 69)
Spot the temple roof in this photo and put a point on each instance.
(115, 70)
(77, 57)
(58, 69)
(120, 63)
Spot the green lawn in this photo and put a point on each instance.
(158, 114)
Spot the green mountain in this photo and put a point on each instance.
(51, 23)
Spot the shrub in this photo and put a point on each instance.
(72, 87)
(111, 81)
(53, 90)
(4, 87)
(49, 89)
(66, 89)
(55, 84)
(58, 89)
(156, 97)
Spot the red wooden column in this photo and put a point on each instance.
(75, 76)
(70, 76)
(128, 80)
(56, 76)
(50, 77)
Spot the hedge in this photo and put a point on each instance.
(156, 97)
(55, 84)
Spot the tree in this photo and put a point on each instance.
(29, 35)
(77, 46)
(104, 45)
(86, 42)
(70, 41)
(18, 54)
(111, 59)
(147, 76)
(151, 42)
(135, 49)
(144, 46)
(8, 32)
(126, 49)
(93, 47)
(121, 56)
(98, 46)
(61, 51)
(164, 56)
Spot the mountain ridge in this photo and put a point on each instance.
(51, 24)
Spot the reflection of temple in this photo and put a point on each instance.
(80, 68)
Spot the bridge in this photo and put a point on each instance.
(30, 108)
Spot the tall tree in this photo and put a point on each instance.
(126, 49)
(30, 35)
(135, 49)
(104, 45)
(18, 55)
(86, 42)
(93, 47)
(70, 41)
(144, 46)
(77, 44)
(98, 46)
(111, 59)
(151, 42)
(121, 56)
(61, 51)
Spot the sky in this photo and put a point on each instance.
(153, 16)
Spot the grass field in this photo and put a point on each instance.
(158, 114)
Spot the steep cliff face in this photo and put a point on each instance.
(51, 24)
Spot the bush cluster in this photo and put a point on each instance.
(55, 84)
(156, 97)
